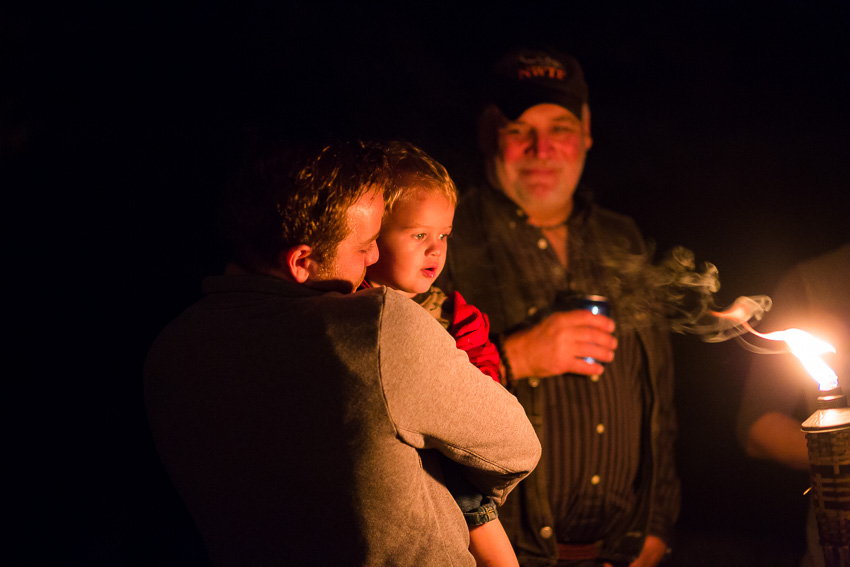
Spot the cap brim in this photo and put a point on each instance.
(513, 100)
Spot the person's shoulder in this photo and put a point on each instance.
(361, 307)
(611, 218)
(478, 208)
(375, 296)
(404, 312)
(470, 193)
(821, 280)
(396, 301)
(482, 200)
(469, 201)
(832, 264)
(616, 225)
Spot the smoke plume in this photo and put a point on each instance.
(676, 290)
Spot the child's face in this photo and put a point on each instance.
(413, 242)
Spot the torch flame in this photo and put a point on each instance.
(801, 344)
(808, 350)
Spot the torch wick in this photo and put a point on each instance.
(832, 398)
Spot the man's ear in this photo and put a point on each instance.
(298, 262)
(585, 126)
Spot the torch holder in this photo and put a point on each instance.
(828, 438)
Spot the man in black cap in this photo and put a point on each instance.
(524, 246)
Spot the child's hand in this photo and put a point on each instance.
(471, 330)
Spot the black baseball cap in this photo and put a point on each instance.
(527, 77)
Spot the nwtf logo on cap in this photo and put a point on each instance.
(543, 67)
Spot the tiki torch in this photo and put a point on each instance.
(828, 438)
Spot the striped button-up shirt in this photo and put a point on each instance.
(595, 432)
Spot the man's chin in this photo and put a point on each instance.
(541, 191)
(547, 189)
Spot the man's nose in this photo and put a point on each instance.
(372, 255)
(541, 145)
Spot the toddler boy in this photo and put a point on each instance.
(419, 209)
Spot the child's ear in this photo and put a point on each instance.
(299, 262)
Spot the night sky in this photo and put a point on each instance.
(722, 127)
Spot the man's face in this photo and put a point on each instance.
(346, 269)
(413, 243)
(541, 158)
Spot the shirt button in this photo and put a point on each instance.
(594, 480)
(520, 213)
(543, 244)
(594, 378)
(532, 310)
(600, 428)
(545, 532)
(534, 382)
(512, 225)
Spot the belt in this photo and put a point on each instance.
(579, 551)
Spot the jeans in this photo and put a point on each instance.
(477, 509)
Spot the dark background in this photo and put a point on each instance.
(722, 127)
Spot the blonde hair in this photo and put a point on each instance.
(411, 171)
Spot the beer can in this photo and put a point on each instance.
(596, 304)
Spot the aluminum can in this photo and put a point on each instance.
(596, 304)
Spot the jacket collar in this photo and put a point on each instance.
(582, 201)
(256, 283)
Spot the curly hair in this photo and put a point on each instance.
(285, 199)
